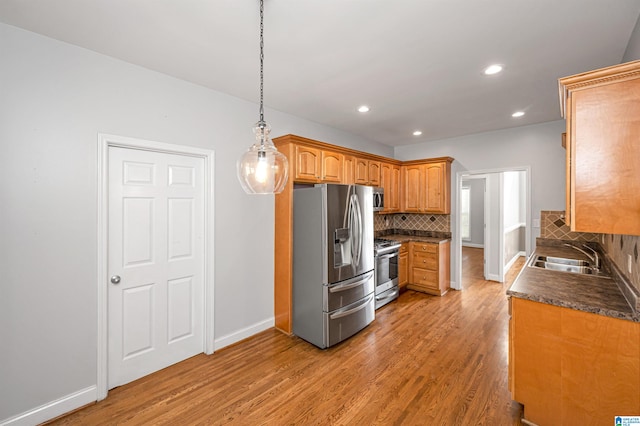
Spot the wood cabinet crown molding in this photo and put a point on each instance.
(299, 140)
(599, 77)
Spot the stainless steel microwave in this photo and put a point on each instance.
(378, 199)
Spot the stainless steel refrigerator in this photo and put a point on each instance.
(333, 277)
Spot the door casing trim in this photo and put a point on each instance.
(105, 141)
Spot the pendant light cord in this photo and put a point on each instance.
(261, 61)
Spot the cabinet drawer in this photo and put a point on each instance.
(425, 278)
(404, 248)
(425, 248)
(425, 261)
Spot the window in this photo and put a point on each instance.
(465, 207)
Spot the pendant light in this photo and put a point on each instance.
(262, 169)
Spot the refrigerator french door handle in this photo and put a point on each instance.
(358, 226)
(353, 230)
(351, 284)
(353, 310)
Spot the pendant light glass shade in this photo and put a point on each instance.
(262, 169)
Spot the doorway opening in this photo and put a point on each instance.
(492, 223)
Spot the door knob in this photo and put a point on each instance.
(115, 279)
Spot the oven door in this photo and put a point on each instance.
(386, 271)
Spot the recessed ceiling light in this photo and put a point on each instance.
(363, 108)
(493, 69)
(417, 133)
(517, 114)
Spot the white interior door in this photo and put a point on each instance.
(155, 261)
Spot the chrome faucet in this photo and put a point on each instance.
(595, 258)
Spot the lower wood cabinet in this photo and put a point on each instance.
(429, 267)
(572, 367)
(403, 266)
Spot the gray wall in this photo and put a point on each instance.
(537, 146)
(54, 100)
(476, 187)
(633, 48)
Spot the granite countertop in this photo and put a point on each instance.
(416, 238)
(595, 294)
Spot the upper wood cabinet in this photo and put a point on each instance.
(367, 172)
(316, 165)
(307, 164)
(374, 173)
(603, 184)
(348, 170)
(390, 181)
(332, 164)
(426, 187)
(361, 171)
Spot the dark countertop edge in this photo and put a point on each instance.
(416, 239)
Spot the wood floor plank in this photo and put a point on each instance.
(425, 360)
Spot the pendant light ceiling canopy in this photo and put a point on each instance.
(262, 169)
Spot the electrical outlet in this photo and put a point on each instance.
(629, 263)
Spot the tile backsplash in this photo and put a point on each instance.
(552, 226)
(618, 247)
(416, 222)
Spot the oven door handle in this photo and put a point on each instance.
(353, 310)
(387, 256)
(394, 294)
(351, 284)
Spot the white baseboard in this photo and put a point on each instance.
(474, 245)
(512, 261)
(493, 277)
(234, 337)
(53, 409)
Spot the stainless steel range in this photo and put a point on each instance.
(386, 271)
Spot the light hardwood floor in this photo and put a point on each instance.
(425, 360)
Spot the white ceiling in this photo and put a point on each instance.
(417, 63)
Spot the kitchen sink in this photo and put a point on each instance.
(563, 264)
(562, 260)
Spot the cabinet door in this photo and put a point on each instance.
(403, 266)
(393, 200)
(348, 170)
(331, 167)
(435, 200)
(537, 356)
(361, 172)
(604, 158)
(374, 173)
(412, 177)
(390, 181)
(307, 164)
